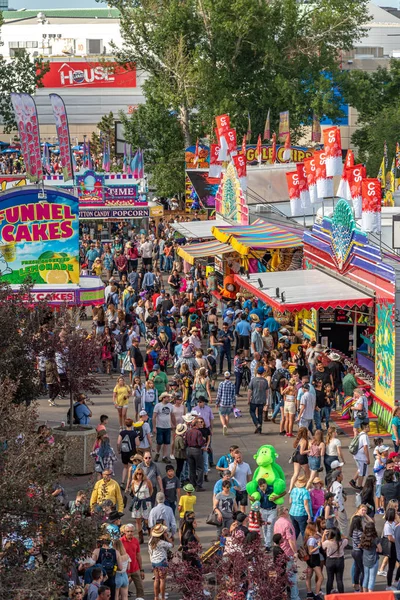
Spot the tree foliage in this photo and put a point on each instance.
(207, 57)
(375, 96)
(106, 126)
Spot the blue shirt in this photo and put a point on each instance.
(82, 413)
(396, 423)
(264, 499)
(271, 324)
(243, 327)
(218, 485)
(298, 496)
(311, 390)
(92, 254)
(226, 395)
(225, 461)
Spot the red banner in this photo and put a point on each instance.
(223, 124)
(89, 74)
(332, 142)
(301, 172)
(349, 162)
(60, 116)
(309, 166)
(214, 151)
(293, 185)
(28, 128)
(355, 176)
(240, 164)
(230, 137)
(320, 166)
(371, 195)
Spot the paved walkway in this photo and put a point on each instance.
(241, 433)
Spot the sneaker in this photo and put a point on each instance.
(353, 484)
(205, 477)
(382, 573)
(224, 430)
(282, 433)
(391, 588)
(165, 459)
(171, 457)
(52, 403)
(156, 457)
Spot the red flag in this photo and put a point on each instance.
(309, 166)
(223, 124)
(303, 185)
(371, 204)
(349, 161)
(333, 151)
(230, 137)
(267, 127)
(294, 193)
(324, 183)
(259, 149)
(273, 156)
(244, 146)
(355, 176)
(287, 153)
(240, 163)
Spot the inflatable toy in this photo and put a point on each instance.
(268, 469)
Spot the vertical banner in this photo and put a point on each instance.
(223, 126)
(240, 163)
(283, 125)
(61, 119)
(333, 151)
(196, 154)
(267, 127)
(355, 176)
(344, 187)
(371, 205)
(248, 133)
(259, 150)
(316, 129)
(287, 152)
(215, 168)
(230, 137)
(273, 155)
(324, 183)
(303, 185)
(294, 193)
(28, 128)
(309, 166)
(397, 155)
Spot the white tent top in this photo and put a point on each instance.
(191, 252)
(193, 230)
(303, 289)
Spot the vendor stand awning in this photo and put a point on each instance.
(194, 230)
(212, 248)
(258, 236)
(303, 289)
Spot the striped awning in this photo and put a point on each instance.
(190, 252)
(258, 236)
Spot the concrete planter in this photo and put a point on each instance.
(78, 443)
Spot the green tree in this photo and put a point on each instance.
(375, 96)
(206, 57)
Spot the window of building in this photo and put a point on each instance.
(94, 46)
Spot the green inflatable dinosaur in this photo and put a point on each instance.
(269, 470)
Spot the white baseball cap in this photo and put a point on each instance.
(227, 374)
(336, 464)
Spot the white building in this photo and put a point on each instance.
(77, 43)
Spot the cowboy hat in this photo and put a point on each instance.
(159, 530)
(319, 348)
(115, 515)
(181, 429)
(317, 480)
(334, 356)
(194, 329)
(255, 318)
(136, 457)
(188, 418)
(301, 481)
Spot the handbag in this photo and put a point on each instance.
(386, 546)
(212, 519)
(303, 554)
(136, 502)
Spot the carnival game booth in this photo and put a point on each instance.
(349, 291)
(39, 242)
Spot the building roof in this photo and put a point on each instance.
(62, 13)
(381, 17)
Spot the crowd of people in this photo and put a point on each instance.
(175, 354)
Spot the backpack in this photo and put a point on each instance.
(138, 429)
(107, 559)
(126, 445)
(353, 447)
(276, 377)
(75, 419)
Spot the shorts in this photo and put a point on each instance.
(242, 498)
(378, 490)
(243, 342)
(289, 408)
(225, 411)
(358, 422)
(121, 580)
(314, 462)
(163, 436)
(125, 456)
(314, 560)
(362, 468)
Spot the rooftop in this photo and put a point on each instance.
(62, 13)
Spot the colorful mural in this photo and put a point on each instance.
(230, 202)
(384, 351)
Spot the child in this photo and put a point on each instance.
(103, 423)
(377, 442)
(255, 520)
(379, 470)
(172, 488)
(329, 511)
(187, 501)
(317, 497)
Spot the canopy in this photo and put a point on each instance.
(190, 252)
(303, 289)
(193, 230)
(258, 236)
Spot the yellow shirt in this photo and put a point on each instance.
(186, 503)
(98, 268)
(107, 491)
(123, 392)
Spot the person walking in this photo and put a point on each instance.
(135, 570)
(194, 453)
(257, 398)
(361, 457)
(334, 546)
(225, 401)
(371, 547)
(163, 422)
(284, 527)
(224, 340)
(300, 506)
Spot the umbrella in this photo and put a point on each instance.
(11, 151)
(3, 144)
(77, 148)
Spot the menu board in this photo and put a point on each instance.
(327, 316)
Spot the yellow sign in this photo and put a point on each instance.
(156, 211)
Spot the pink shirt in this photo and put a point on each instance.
(317, 499)
(286, 529)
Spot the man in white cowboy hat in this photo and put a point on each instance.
(336, 370)
(195, 338)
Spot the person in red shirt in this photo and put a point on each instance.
(135, 569)
(121, 263)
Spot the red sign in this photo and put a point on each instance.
(89, 74)
(371, 195)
